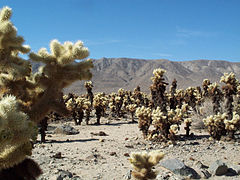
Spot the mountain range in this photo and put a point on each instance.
(110, 74)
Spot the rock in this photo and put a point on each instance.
(200, 165)
(205, 174)
(101, 140)
(129, 146)
(179, 168)
(128, 175)
(76, 178)
(113, 153)
(236, 168)
(218, 168)
(57, 155)
(66, 129)
(168, 176)
(100, 133)
(63, 175)
(233, 170)
(126, 154)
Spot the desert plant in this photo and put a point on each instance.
(163, 122)
(188, 123)
(232, 125)
(172, 98)
(88, 85)
(144, 119)
(190, 97)
(132, 109)
(71, 105)
(158, 89)
(216, 95)
(28, 97)
(99, 103)
(143, 163)
(138, 96)
(229, 89)
(205, 84)
(88, 109)
(215, 125)
(179, 95)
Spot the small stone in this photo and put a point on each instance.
(218, 168)
(66, 129)
(235, 169)
(101, 140)
(100, 133)
(200, 165)
(178, 167)
(126, 154)
(57, 155)
(76, 178)
(128, 175)
(113, 153)
(64, 175)
(129, 146)
(205, 174)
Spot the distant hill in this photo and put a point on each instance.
(110, 74)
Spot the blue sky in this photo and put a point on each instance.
(146, 29)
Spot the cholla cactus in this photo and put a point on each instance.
(119, 101)
(179, 95)
(158, 89)
(99, 103)
(15, 132)
(34, 96)
(216, 126)
(144, 116)
(172, 97)
(72, 106)
(88, 108)
(160, 121)
(132, 109)
(190, 97)
(143, 163)
(232, 125)
(88, 85)
(173, 132)
(216, 95)
(188, 123)
(163, 122)
(138, 96)
(229, 90)
(205, 84)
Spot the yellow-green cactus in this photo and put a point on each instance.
(215, 125)
(144, 116)
(16, 131)
(59, 71)
(32, 96)
(143, 163)
(232, 125)
(132, 109)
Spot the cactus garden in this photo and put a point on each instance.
(49, 133)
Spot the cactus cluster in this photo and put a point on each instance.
(143, 163)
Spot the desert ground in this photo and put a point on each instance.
(102, 151)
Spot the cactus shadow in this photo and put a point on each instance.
(69, 141)
(193, 138)
(112, 124)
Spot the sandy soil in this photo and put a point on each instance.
(106, 157)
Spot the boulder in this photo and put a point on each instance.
(66, 129)
(178, 167)
(218, 168)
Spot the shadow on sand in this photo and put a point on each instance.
(69, 141)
